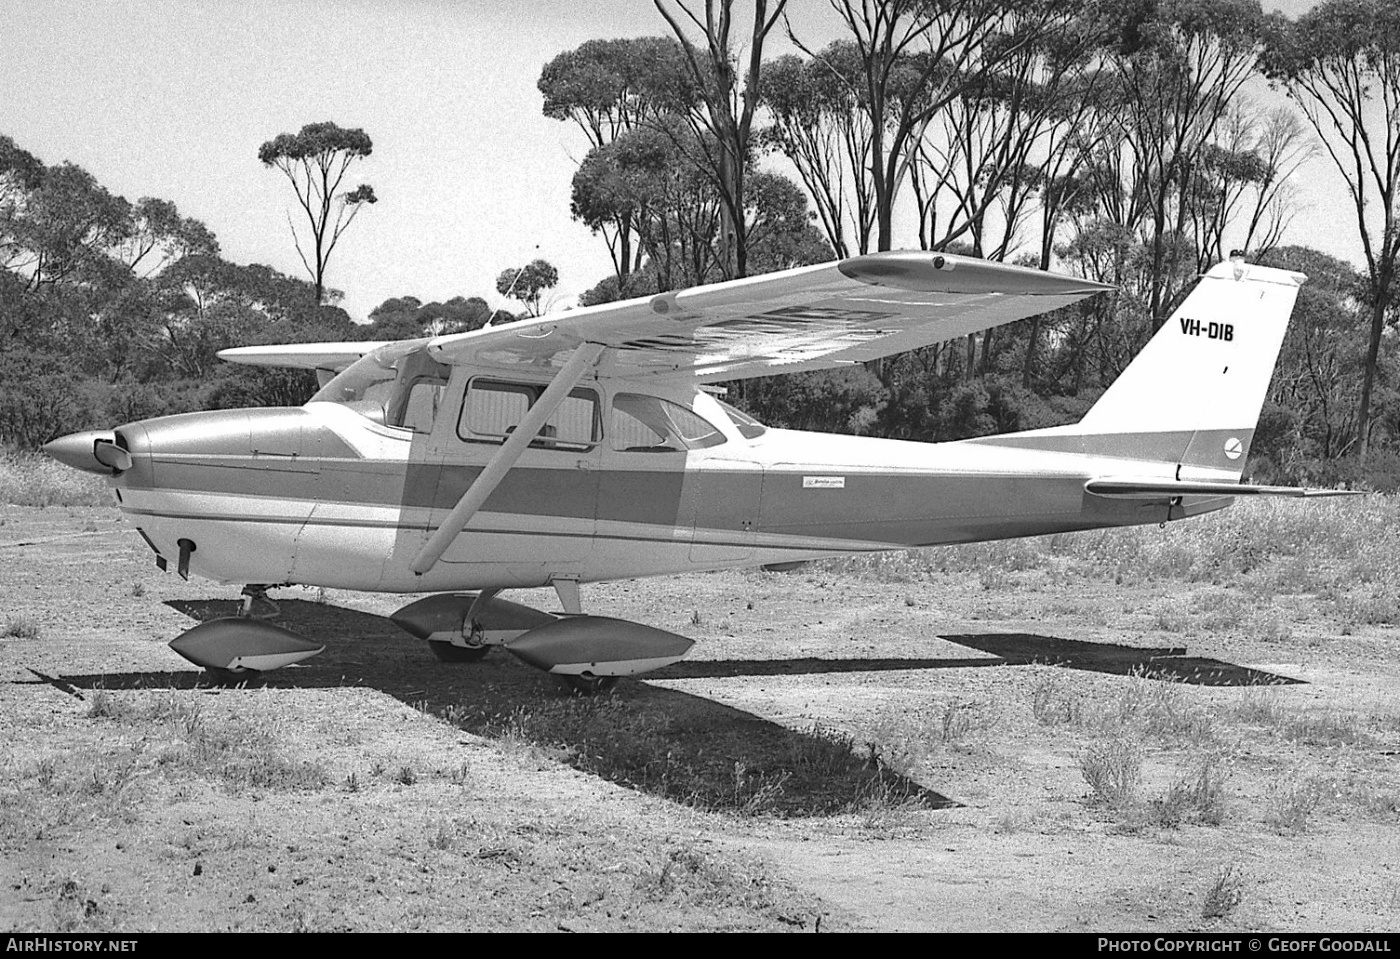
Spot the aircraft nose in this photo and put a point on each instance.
(93, 451)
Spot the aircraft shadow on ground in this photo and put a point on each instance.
(1169, 664)
(660, 741)
(1007, 649)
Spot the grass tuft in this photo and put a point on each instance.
(1052, 703)
(1225, 894)
(1289, 805)
(1113, 770)
(20, 627)
(1198, 796)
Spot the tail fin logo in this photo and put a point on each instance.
(1234, 449)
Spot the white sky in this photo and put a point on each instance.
(172, 98)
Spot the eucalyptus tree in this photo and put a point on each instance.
(723, 119)
(20, 173)
(527, 283)
(1179, 67)
(315, 162)
(610, 88)
(1340, 63)
(819, 125)
(1319, 374)
(67, 226)
(916, 58)
(159, 237)
(1015, 124)
(646, 175)
(1241, 192)
(404, 317)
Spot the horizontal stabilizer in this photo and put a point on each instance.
(1138, 489)
(304, 356)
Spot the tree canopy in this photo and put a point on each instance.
(315, 161)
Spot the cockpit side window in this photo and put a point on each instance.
(648, 424)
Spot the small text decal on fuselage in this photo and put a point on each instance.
(1212, 330)
(823, 482)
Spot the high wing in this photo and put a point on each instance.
(810, 318)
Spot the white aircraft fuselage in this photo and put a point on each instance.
(324, 496)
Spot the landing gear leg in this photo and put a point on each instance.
(257, 604)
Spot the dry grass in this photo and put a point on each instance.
(1113, 770)
(1197, 796)
(1053, 703)
(242, 754)
(138, 789)
(1341, 550)
(1224, 894)
(20, 627)
(32, 479)
(1291, 803)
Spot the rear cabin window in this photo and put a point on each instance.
(494, 408)
(646, 424)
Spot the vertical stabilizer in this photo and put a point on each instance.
(1194, 393)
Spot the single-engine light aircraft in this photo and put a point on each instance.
(584, 446)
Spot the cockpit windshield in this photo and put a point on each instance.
(398, 384)
(747, 426)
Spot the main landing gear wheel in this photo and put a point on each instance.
(451, 653)
(227, 677)
(586, 684)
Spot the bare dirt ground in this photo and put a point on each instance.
(840, 751)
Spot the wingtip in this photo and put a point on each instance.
(932, 272)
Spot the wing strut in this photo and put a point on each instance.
(524, 434)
